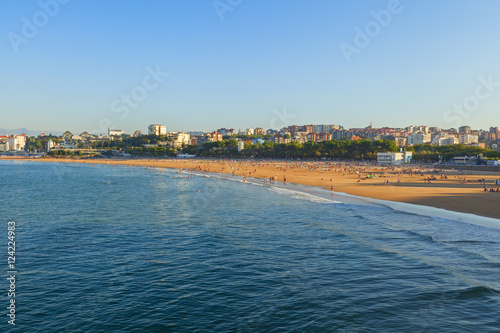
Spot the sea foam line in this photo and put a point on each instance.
(483, 221)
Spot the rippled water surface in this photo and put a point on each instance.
(128, 249)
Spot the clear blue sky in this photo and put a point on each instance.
(264, 56)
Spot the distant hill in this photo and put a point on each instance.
(18, 131)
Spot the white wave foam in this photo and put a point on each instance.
(301, 195)
(487, 222)
(400, 206)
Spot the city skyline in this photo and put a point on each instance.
(245, 64)
(144, 128)
(331, 126)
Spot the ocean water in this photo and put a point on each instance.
(103, 249)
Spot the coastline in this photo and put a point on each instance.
(410, 208)
(443, 195)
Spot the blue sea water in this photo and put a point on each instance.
(102, 249)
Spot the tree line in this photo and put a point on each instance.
(335, 149)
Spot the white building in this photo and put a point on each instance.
(185, 156)
(324, 128)
(418, 138)
(115, 132)
(12, 144)
(17, 143)
(468, 139)
(249, 131)
(156, 129)
(423, 129)
(444, 140)
(448, 141)
(4, 146)
(181, 139)
(50, 145)
(21, 141)
(241, 145)
(395, 158)
(465, 160)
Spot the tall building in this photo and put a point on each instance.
(293, 129)
(444, 140)
(467, 139)
(464, 130)
(249, 131)
(324, 128)
(422, 129)
(307, 128)
(410, 129)
(156, 129)
(260, 131)
(494, 133)
(418, 138)
(181, 139)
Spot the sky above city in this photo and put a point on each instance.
(87, 65)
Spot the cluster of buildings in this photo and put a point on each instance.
(411, 135)
(12, 142)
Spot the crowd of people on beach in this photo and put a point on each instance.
(325, 171)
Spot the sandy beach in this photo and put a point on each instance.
(452, 189)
